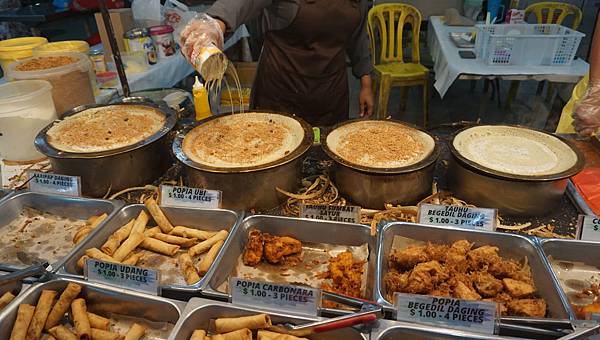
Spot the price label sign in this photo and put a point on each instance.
(456, 216)
(123, 276)
(54, 183)
(186, 197)
(337, 213)
(590, 227)
(280, 297)
(474, 316)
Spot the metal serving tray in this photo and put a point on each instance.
(511, 246)
(4, 193)
(73, 207)
(390, 330)
(205, 219)
(100, 299)
(305, 230)
(198, 312)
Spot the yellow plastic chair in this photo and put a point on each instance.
(387, 22)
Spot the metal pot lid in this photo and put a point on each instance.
(41, 140)
(474, 166)
(425, 162)
(305, 144)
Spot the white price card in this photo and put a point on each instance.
(281, 297)
(186, 197)
(123, 276)
(457, 216)
(54, 183)
(337, 213)
(468, 315)
(590, 227)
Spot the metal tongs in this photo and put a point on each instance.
(368, 313)
(34, 270)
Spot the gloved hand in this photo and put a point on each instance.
(586, 114)
(200, 33)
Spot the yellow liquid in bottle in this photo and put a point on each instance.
(201, 105)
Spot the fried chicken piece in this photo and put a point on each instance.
(486, 284)
(435, 252)
(346, 274)
(502, 300)
(424, 276)
(254, 249)
(518, 289)
(408, 257)
(527, 307)
(503, 268)
(276, 247)
(461, 247)
(462, 291)
(395, 281)
(443, 290)
(482, 256)
(455, 258)
(523, 274)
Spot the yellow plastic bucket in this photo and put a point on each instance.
(18, 48)
(78, 46)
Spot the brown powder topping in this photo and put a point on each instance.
(42, 63)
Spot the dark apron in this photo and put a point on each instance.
(302, 68)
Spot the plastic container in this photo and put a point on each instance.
(138, 40)
(523, 44)
(162, 38)
(107, 79)
(26, 107)
(201, 105)
(71, 83)
(18, 48)
(78, 46)
(134, 62)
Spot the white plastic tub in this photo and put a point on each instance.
(26, 107)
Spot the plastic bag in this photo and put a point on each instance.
(586, 113)
(177, 15)
(147, 13)
(201, 34)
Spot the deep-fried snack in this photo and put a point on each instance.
(114, 240)
(192, 233)
(464, 292)
(24, 316)
(42, 309)
(346, 275)
(62, 305)
(518, 289)
(527, 307)
(408, 257)
(135, 332)
(204, 246)
(277, 247)
(97, 321)
(6, 299)
(158, 215)
(254, 249)
(159, 246)
(80, 319)
(210, 257)
(187, 267)
(134, 240)
(62, 333)
(258, 321)
(486, 284)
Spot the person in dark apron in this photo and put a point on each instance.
(302, 68)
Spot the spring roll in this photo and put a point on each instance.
(187, 267)
(240, 334)
(205, 245)
(97, 321)
(172, 239)
(158, 215)
(140, 223)
(81, 234)
(152, 231)
(135, 332)
(62, 333)
(101, 334)
(158, 246)
(95, 253)
(258, 321)
(191, 232)
(42, 309)
(80, 319)
(198, 334)
(97, 220)
(209, 258)
(24, 316)
(114, 240)
(6, 299)
(128, 246)
(268, 335)
(132, 259)
(62, 305)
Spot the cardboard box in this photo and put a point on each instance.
(122, 21)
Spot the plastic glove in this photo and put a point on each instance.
(200, 33)
(586, 114)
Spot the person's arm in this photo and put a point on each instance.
(586, 113)
(360, 58)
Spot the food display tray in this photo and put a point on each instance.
(390, 330)
(100, 299)
(73, 207)
(199, 312)
(205, 219)
(305, 230)
(510, 245)
(4, 194)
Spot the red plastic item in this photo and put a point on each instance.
(346, 323)
(587, 183)
(162, 29)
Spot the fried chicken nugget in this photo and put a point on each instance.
(518, 289)
(527, 307)
(409, 257)
(486, 284)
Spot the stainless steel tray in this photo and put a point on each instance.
(4, 193)
(577, 200)
(100, 299)
(303, 229)
(390, 330)
(74, 207)
(206, 219)
(198, 312)
(511, 246)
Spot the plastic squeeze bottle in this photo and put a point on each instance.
(201, 105)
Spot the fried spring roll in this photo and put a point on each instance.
(268, 335)
(128, 246)
(158, 246)
(258, 321)
(101, 334)
(81, 234)
(80, 319)
(24, 316)
(152, 231)
(240, 334)
(191, 232)
(97, 220)
(209, 258)
(158, 215)
(132, 259)
(187, 267)
(6, 299)
(114, 240)
(140, 223)
(135, 332)
(95, 253)
(198, 334)
(62, 333)
(62, 305)
(42, 309)
(97, 321)
(172, 239)
(205, 245)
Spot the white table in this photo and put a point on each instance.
(448, 65)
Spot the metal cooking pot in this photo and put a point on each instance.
(373, 187)
(118, 169)
(514, 195)
(250, 187)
